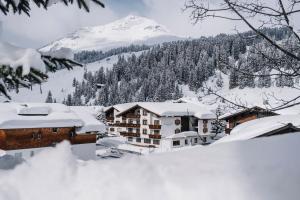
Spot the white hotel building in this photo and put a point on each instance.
(153, 123)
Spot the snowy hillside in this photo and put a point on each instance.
(264, 169)
(264, 97)
(129, 30)
(60, 82)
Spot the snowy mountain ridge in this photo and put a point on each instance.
(123, 32)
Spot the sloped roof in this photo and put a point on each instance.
(88, 115)
(170, 108)
(58, 116)
(258, 127)
(120, 107)
(240, 111)
(46, 115)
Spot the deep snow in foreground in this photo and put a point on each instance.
(266, 168)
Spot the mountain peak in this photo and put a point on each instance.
(131, 29)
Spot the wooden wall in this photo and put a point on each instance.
(241, 119)
(11, 139)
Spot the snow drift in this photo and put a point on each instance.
(262, 169)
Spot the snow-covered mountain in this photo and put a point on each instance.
(123, 32)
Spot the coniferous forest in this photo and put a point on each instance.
(160, 71)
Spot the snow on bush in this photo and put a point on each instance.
(15, 57)
(262, 169)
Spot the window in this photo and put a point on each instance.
(130, 121)
(130, 130)
(147, 141)
(157, 142)
(139, 140)
(130, 139)
(156, 132)
(177, 130)
(138, 121)
(195, 140)
(54, 130)
(177, 121)
(144, 131)
(117, 122)
(137, 130)
(204, 124)
(156, 122)
(176, 143)
(186, 142)
(72, 134)
(112, 129)
(119, 129)
(145, 122)
(145, 113)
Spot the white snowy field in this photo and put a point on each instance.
(261, 169)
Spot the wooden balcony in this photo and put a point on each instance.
(132, 115)
(154, 136)
(155, 126)
(110, 118)
(127, 125)
(130, 134)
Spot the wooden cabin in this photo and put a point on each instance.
(245, 115)
(26, 129)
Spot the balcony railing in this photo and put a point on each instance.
(153, 136)
(130, 134)
(127, 125)
(132, 115)
(155, 126)
(109, 118)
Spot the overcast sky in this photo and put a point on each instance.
(45, 26)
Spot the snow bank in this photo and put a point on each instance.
(257, 127)
(264, 169)
(2, 152)
(16, 57)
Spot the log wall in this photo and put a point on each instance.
(11, 139)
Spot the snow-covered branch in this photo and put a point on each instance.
(24, 6)
(24, 66)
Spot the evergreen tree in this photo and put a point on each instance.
(49, 97)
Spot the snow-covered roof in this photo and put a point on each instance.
(33, 110)
(120, 107)
(184, 134)
(201, 115)
(258, 127)
(240, 111)
(171, 109)
(58, 115)
(88, 115)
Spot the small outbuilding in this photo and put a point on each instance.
(244, 115)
